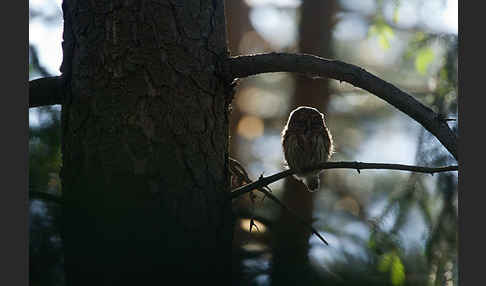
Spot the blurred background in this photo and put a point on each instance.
(384, 227)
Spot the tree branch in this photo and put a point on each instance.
(275, 199)
(45, 91)
(243, 66)
(239, 175)
(264, 181)
(45, 196)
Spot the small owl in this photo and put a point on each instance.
(306, 142)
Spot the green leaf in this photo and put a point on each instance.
(395, 11)
(418, 37)
(395, 15)
(373, 30)
(384, 43)
(385, 262)
(391, 262)
(424, 57)
(443, 74)
(371, 243)
(383, 32)
(387, 31)
(397, 271)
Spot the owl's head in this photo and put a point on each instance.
(305, 119)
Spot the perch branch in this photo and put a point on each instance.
(238, 172)
(45, 91)
(243, 66)
(264, 181)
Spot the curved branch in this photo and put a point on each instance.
(243, 66)
(45, 91)
(264, 181)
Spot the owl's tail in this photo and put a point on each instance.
(312, 182)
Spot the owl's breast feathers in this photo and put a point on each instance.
(303, 150)
(296, 150)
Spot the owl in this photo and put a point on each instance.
(306, 142)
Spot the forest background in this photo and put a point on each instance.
(384, 227)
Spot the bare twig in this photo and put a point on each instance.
(275, 199)
(243, 66)
(45, 91)
(264, 181)
(239, 174)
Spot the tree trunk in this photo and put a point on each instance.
(145, 143)
(290, 262)
(238, 24)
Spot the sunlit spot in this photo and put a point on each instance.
(451, 16)
(34, 117)
(279, 3)
(260, 102)
(350, 28)
(46, 36)
(250, 127)
(404, 14)
(364, 6)
(53, 180)
(252, 43)
(278, 26)
(348, 204)
(245, 225)
(253, 247)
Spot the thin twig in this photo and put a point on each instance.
(238, 171)
(243, 66)
(264, 181)
(275, 199)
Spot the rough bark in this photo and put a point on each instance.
(145, 140)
